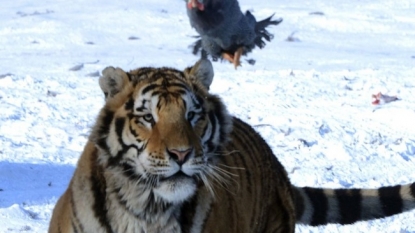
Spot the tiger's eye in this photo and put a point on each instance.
(148, 117)
(190, 115)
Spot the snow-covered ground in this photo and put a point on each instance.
(309, 93)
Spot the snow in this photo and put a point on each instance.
(309, 93)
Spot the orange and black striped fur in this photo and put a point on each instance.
(165, 156)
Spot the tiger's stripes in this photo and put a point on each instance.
(165, 156)
(346, 206)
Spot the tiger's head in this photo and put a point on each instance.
(162, 128)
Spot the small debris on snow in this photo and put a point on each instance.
(347, 87)
(133, 38)
(93, 74)
(307, 143)
(380, 98)
(24, 228)
(31, 214)
(52, 93)
(22, 14)
(349, 79)
(316, 13)
(294, 169)
(266, 125)
(251, 61)
(323, 129)
(81, 66)
(291, 38)
(286, 132)
(77, 67)
(92, 62)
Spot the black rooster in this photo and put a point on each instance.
(224, 31)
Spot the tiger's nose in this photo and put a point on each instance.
(180, 156)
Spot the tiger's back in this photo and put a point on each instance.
(165, 156)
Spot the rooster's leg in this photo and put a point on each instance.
(234, 58)
(228, 56)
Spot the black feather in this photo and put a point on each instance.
(262, 33)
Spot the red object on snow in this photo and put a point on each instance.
(380, 98)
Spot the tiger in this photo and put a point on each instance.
(165, 155)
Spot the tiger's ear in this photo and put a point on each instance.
(202, 72)
(112, 81)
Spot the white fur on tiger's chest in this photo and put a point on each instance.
(128, 205)
(125, 221)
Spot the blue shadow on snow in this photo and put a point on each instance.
(32, 183)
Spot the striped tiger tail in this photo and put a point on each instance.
(316, 206)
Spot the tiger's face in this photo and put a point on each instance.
(164, 124)
(163, 131)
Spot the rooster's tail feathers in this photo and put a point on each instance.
(262, 33)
